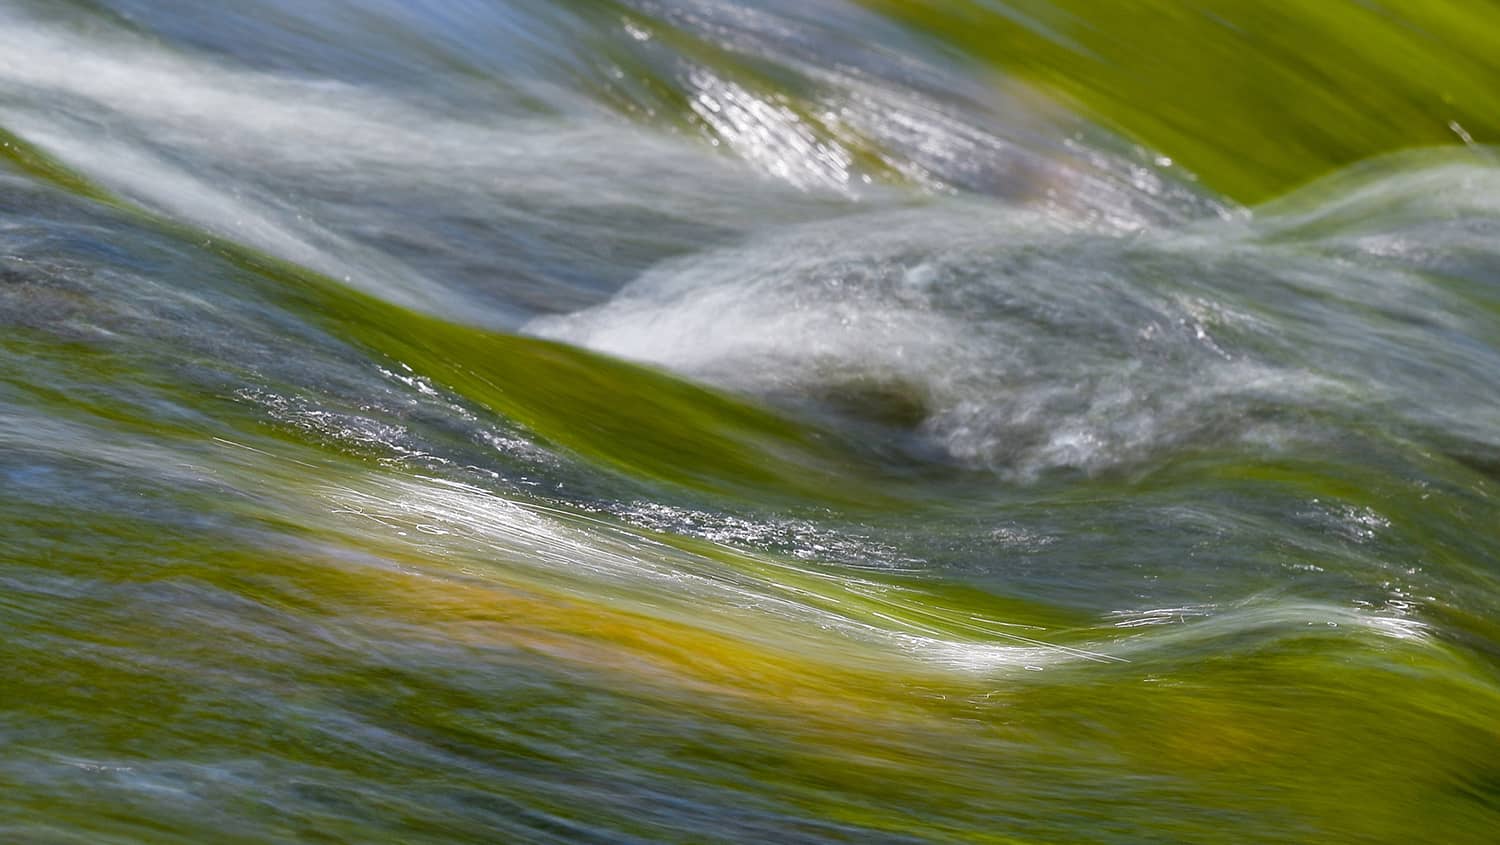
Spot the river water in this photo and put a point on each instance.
(695, 421)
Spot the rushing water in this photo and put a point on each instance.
(697, 421)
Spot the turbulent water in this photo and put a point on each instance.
(698, 421)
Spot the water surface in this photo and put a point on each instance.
(746, 422)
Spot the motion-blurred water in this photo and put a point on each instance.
(696, 421)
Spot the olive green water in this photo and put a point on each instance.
(695, 421)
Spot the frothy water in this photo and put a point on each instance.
(1025, 344)
(704, 421)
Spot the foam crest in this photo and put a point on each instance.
(1026, 341)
